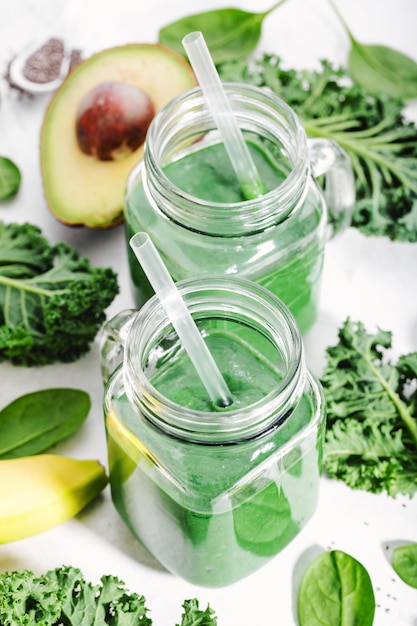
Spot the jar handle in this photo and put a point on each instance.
(112, 341)
(331, 163)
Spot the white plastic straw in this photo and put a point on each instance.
(181, 319)
(222, 112)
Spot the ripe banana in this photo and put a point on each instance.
(41, 491)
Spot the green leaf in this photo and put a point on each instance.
(107, 603)
(23, 251)
(10, 178)
(52, 300)
(383, 69)
(404, 562)
(336, 590)
(194, 616)
(34, 422)
(371, 128)
(229, 33)
(25, 596)
(263, 523)
(380, 68)
(371, 435)
(63, 596)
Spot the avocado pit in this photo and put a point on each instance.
(112, 120)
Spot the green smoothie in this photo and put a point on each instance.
(289, 264)
(214, 513)
(209, 175)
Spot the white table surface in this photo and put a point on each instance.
(370, 279)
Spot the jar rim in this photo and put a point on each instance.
(232, 423)
(279, 122)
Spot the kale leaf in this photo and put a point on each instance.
(371, 436)
(194, 616)
(52, 301)
(371, 128)
(109, 602)
(28, 599)
(63, 596)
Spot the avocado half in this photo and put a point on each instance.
(80, 189)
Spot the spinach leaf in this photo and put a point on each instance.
(380, 68)
(34, 422)
(230, 33)
(404, 562)
(383, 69)
(263, 523)
(10, 178)
(336, 590)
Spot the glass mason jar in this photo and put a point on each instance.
(183, 195)
(213, 493)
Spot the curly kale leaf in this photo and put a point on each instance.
(28, 599)
(194, 616)
(371, 128)
(52, 301)
(109, 602)
(23, 251)
(371, 437)
(62, 597)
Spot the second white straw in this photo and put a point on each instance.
(181, 319)
(222, 112)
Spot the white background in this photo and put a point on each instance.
(369, 279)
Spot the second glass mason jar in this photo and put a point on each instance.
(185, 195)
(213, 493)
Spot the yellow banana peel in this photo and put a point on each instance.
(41, 491)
